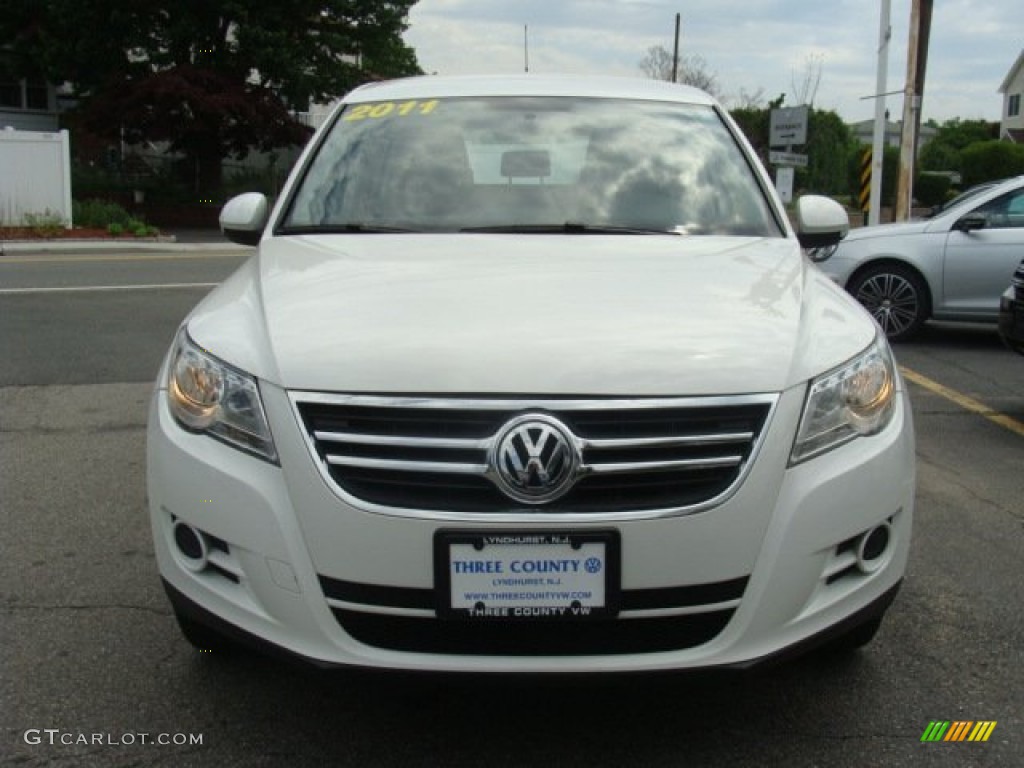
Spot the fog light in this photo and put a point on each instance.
(191, 545)
(872, 546)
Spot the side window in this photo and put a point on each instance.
(1004, 212)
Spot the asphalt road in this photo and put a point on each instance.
(90, 653)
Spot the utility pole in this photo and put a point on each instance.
(526, 49)
(675, 54)
(917, 57)
(878, 139)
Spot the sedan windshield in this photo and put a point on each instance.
(530, 165)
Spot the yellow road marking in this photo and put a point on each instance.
(965, 402)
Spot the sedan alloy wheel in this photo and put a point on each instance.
(895, 297)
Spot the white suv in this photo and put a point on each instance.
(530, 374)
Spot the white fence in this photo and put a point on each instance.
(35, 178)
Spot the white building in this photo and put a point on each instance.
(28, 105)
(1012, 124)
(864, 133)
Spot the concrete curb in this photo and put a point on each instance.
(135, 246)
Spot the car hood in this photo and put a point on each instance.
(531, 314)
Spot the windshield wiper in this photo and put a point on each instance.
(569, 228)
(351, 227)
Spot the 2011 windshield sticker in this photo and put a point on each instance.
(389, 109)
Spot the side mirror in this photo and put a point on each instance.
(971, 222)
(820, 222)
(243, 218)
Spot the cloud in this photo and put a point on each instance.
(751, 45)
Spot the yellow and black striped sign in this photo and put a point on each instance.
(864, 198)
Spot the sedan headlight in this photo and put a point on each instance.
(208, 395)
(856, 399)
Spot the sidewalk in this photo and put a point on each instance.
(171, 241)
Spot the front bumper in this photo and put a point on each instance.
(294, 566)
(1011, 319)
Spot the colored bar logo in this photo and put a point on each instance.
(958, 730)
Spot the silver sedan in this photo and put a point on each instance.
(953, 266)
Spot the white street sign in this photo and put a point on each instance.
(787, 158)
(788, 127)
(784, 184)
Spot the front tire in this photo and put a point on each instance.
(896, 297)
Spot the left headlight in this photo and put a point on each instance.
(856, 399)
(208, 395)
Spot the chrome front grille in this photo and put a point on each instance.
(435, 455)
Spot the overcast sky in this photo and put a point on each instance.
(749, 45)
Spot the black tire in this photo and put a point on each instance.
(855, 638)
(204, 638)
(896, 297)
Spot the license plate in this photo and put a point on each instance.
(527, 575)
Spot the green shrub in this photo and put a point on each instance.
(991, 160)
(103, 214)
(99, 214)
(931, 189)
(45, 224)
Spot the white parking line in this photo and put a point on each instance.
(96, 288)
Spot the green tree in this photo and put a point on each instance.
(943, 152)
(829, 142)
(212, 77)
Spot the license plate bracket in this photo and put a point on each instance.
(527, 575)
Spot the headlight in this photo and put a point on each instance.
(208, 395)
(858, 398)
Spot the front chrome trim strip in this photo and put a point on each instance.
(385, 610)
(526, 403)
(625, 615)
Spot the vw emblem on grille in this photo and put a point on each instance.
(534, 459)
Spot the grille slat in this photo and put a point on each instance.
(398, 465)
(685, 465)
(637, 456)
(668, 442)
(401, 441)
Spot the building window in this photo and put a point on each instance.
(1013, 108)
(25, 94)
(37, 95)
(10, 95)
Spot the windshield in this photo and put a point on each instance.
(966, 194)
(530, 164)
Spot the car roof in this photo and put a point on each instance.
(434, 86)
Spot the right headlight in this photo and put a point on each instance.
(207, 395)
(856, 399)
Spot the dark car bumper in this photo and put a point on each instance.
(1011, 320)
